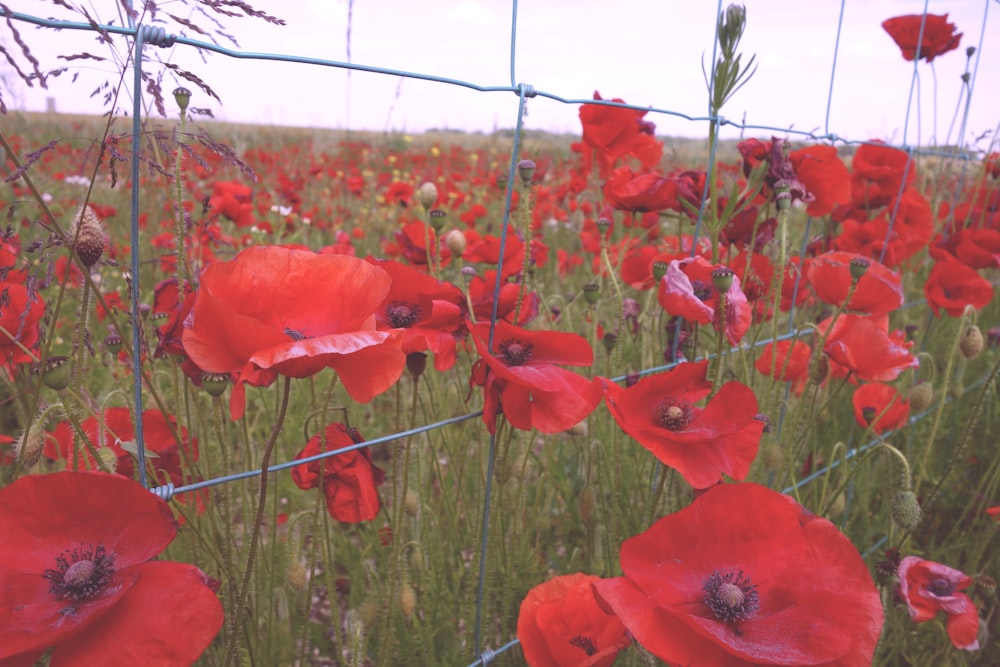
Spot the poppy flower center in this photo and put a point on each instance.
(674, 415)
(583, 643)
(514, 352)
(402, 314)
(730, 596)
(701, 289)
(81, 574)
(942, 587)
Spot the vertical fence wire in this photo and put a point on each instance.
(143, 35)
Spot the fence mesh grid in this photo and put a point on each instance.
(143, 36)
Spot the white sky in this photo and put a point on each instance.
(648, 52)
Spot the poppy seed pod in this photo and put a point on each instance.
(437, 217)
(591, 293)
(722, 279)
(56, 373)
(86, 234)
(859, 267)
(182, 96)
(526, 170)
(215, 383)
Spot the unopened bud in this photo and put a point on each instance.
(772, 457)
(586, 502)
(837, 507)
(427, 195)
(972, 342)
(905, 510)
(296, 576)
(407, 601)
(86, 234)
(921, 396)
(819, 369)
(411, 503)
(107, 459)
(456, 242)
(28, 448)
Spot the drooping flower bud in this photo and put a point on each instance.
(407, 601)
(86, 234)
(905, 510)
(921, 396)
(972, 342)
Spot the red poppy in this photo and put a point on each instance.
(277, 311)
(881, 406)
(938, 35)
(482, 289)
(350, 480)
(687, 290)
(976, 248)
(744, 229)
(114, 430)
(952, 286)
(233, 200)
(415, 238)
(746, 576)
(790, 364)
(700, 443)
(877, 173)
(522, 379)
(929, 588)
(627, 191)
(878, 291)
(431, 312)
(561, 624)
(76, 569)
(864, 346)
(20, 311)
(824, 175)
(614, 132)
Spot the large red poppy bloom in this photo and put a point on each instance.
(77, 573)
(278, 311)
(938, 37)
(823, 173)
(878, 291)
(929, 588)
(746, 576)
(787, 360)
(627, 191)
(952, 286)
(864, 346)
(686, 290)
(701, 444)
(562, 625)
(879, 405)
(611, 133)
(431, 312)
(521, 377)
(977, 248)
(350, 480)
(877, 174)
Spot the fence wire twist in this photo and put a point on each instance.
(143, 35)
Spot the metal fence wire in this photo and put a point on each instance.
(144, 36)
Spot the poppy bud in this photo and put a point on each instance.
(296, 576)
(427, 195)
(887, 568)
(214, 383)
(526, 169)
(107, 459)
(502, 181)
(417, 561)
(905, 510)
(182, 96)
(659, 270)
(411, 503)
(56, 373)
(407, 601)
(437, 218)
(859, 267)
(87, 236)
(368, 613)
(113, 344)
(722, 279)
(29, 449)
(591, 292)
(838, 507)
(586, 502)
(772, 457)
(957, 389)
(455, 240)
(819, 369)
(972, 342)
(580, 429)
(921, 396)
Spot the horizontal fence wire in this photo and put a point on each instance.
(143, 35)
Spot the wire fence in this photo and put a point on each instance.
(156, 36)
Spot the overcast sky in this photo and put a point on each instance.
(648, 52)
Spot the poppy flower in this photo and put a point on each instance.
(113, 430)
(611, 133)
(746, 576)
(928, 588)
(350, 480)
(864, 346)
(687, 290)
(20, 311)
(482, 289)
(659, 412)
(561, 624)
(627, 191)
(825, 177)
(877, 174)
(952, 286)
(787, 360)
(77, 573)
(880, 406)
(233, 200)
(431, 312)
(743, 228)
(878, 291)
(415, 238)
(976, 248)
(938, 35)
(521, 377)
(278, 311)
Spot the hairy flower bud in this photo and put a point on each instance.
(86, 234)
(407, 601)
(921, 396)
(905, 510)
(971, 343)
